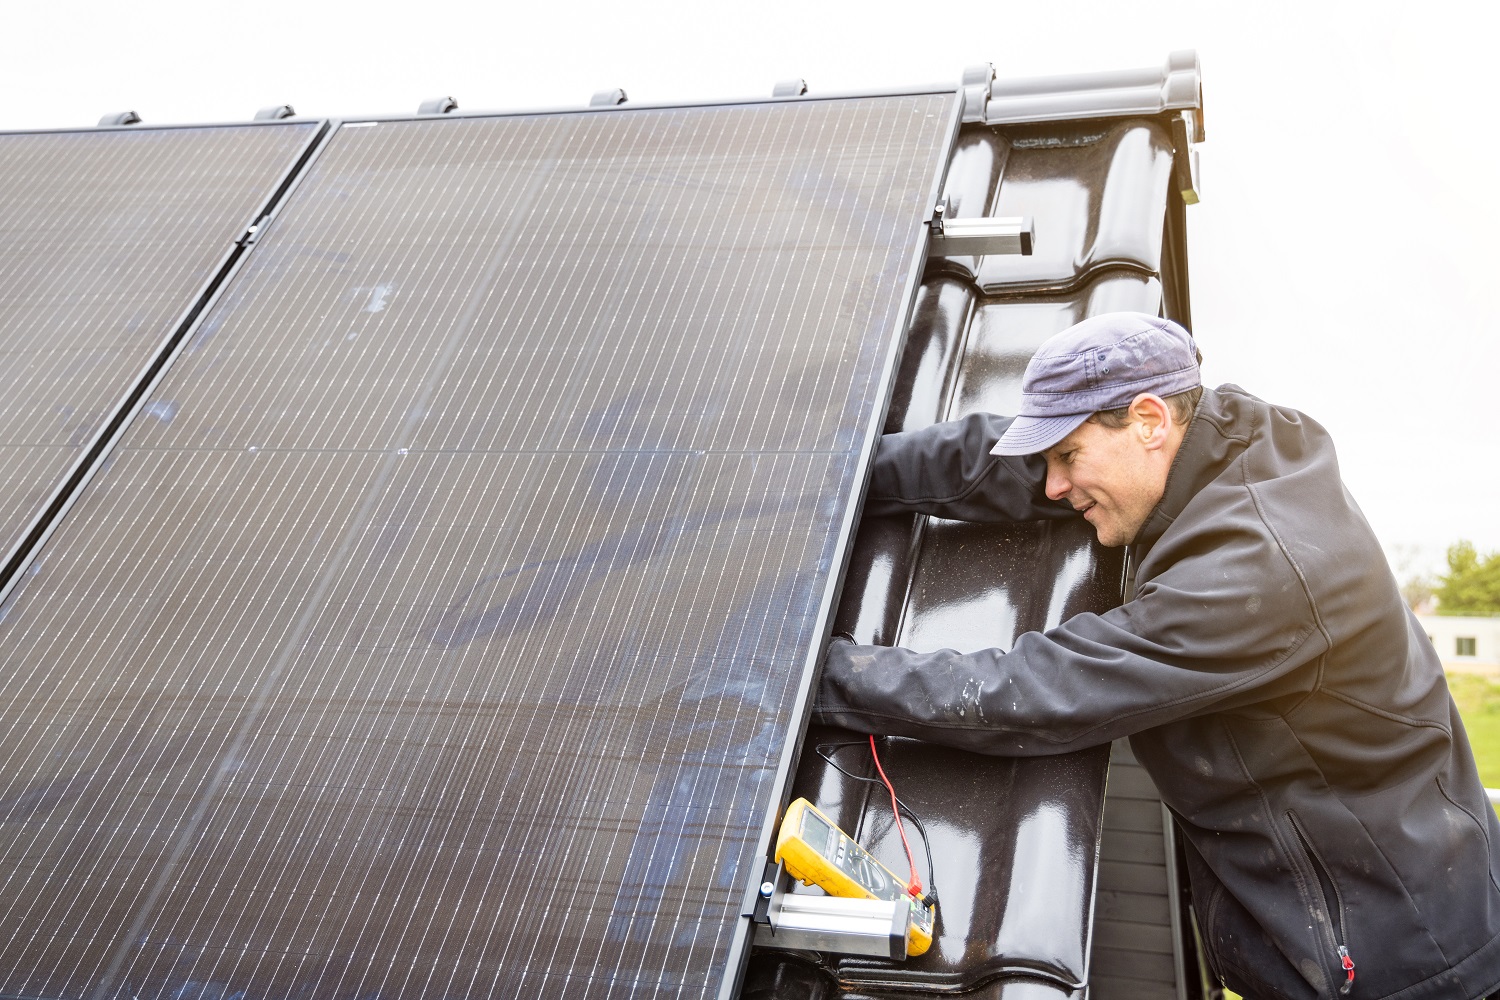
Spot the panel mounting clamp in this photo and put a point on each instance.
(951, 237)
(253, 231)
(787, 920)
(607, 98)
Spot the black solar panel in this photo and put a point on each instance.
(107, 237)
(447, 638)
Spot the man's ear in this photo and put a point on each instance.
(1153, 420)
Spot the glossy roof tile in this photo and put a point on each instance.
(1014, 840)
(1095, 192)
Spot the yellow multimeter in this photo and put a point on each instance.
(818, 853)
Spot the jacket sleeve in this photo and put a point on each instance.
(947, 470)
(1189, 643)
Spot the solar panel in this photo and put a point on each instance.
(107, 238)
(447, 639)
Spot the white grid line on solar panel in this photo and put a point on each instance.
(697, 212)
(763, 289)
(702, 291)
(35, 897)
(128, 228)
(317, 603)
(23, 281)
(807, 337)
(678, 301)
(105, 240)
(363, 985)
(834, 144)
(669, 931)
(569, 778)
(819, 332)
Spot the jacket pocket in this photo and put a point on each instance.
(1331, 902)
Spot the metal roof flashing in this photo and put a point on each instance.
(1176, 86)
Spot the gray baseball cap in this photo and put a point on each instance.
(1100, 364)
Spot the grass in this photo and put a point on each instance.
(1478, 699)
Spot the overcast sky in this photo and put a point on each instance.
(1342, 257)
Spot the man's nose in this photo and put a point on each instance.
(1058, 485)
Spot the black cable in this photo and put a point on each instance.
(931, 895)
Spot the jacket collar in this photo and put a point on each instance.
(1209, 445)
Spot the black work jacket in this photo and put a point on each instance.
(1270, 678)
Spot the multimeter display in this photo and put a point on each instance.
(820, 835)
(848, 857)
(819, 853)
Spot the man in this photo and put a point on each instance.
(1266, 670)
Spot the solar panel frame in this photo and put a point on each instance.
(740, 943)
(33, 534)
(738, 946)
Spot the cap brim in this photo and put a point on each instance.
(1029, 435)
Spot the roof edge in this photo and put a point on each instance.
(1176, 85)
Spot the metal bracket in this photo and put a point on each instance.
(760, 892)
(1184, 156)
(437, 106)
(807, 922)
(120, 118)
(976, 237)
(607, 98)
(789, 88)
(253, 231)
(275, 112)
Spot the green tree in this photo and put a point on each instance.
(1472, 584)
(1417, 585)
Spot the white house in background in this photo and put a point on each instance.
(1463, 640)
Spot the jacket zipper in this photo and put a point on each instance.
(1330, 900)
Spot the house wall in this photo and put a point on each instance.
(1462, 640)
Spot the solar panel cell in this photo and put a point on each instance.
(106, 238)
(438, 627)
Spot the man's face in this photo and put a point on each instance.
(1110, 475)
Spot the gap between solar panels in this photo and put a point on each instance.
(93, 450)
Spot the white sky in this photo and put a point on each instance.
(1341, 257)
